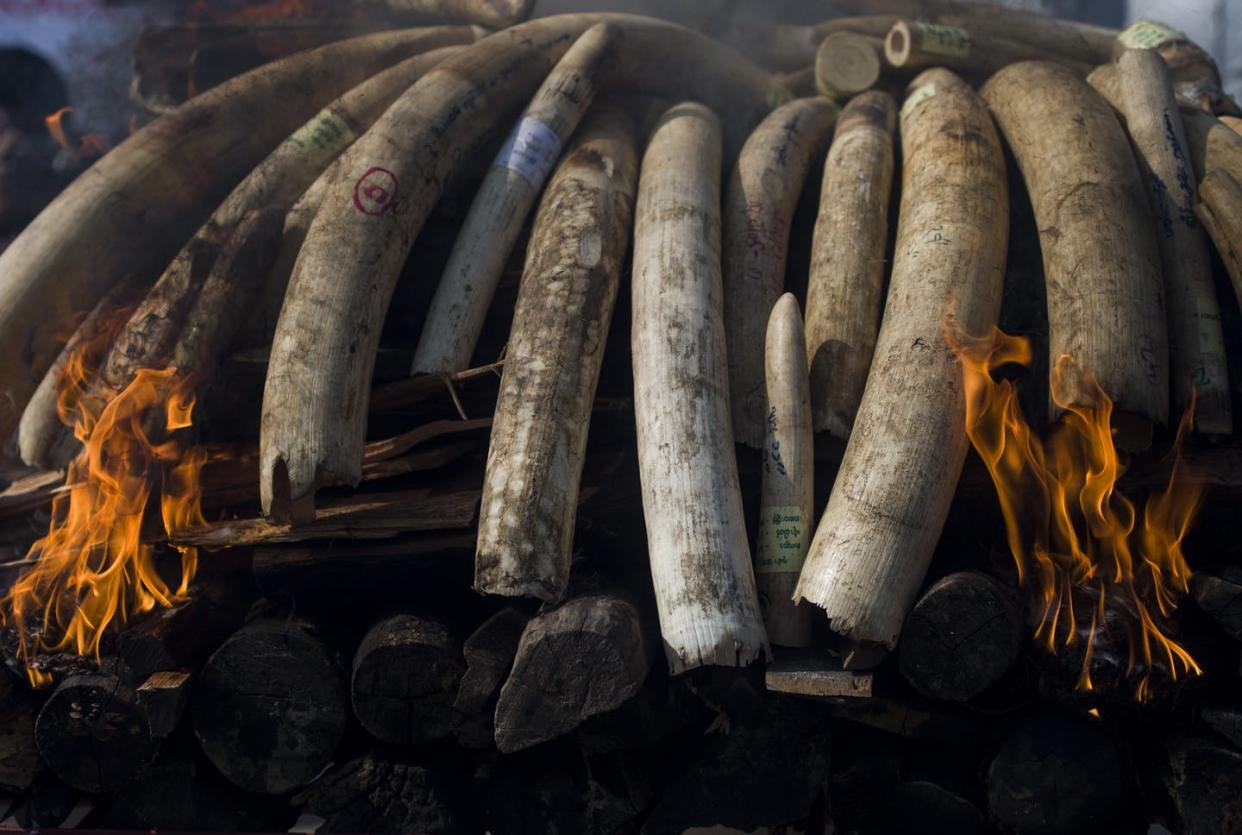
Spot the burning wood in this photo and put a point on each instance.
(759, 205)
(1101, 264)
(844, 292)
(560, 327)
(696, 539)
(875, 540)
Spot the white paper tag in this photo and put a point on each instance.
(531, 150)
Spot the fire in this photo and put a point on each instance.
(90, 145)
(93, 569)
(1105, 576)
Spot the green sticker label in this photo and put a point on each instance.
(1148, 34)
(916, 98)
(784, 536)
(948, 41)
(325, 132)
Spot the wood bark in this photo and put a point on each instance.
(787, 489)
(552, 365)
(892, 493)
(1197, 366)
(759, 204)
(700, 560)
(1220, 210)
(505, 199)
(319, 375)
(405, 678)
(163, 697)
(915, 45)
(581, 659)
(94, 734)
(963, 635)
(845, 289)
(847, 63)
(131, 210)
(1101, 265)
(270, 708)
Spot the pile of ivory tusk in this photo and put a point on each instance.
(322, 168)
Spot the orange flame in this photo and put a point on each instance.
(89, 145)
(92, 568)
(1100, 571)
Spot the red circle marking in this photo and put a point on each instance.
(376, 191)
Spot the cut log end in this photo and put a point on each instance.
(847, 63)
(405, 680)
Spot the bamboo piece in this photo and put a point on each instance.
(319, 374)
(1220, 210)
(1197, 368)
(1105, 290)
(503, 201)
(41, 431)
(496, 14)
(556, 347)
(848, 63)
(845, 289)
(892, 493)
(700, 560)
(130, 211)
(916, 45)
(787, 491)
(759, 205)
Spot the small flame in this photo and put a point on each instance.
(92, 568)
(1099, 570)
(90, 145)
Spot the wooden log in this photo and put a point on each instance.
(20, 762)
(489, 653)
(1101, 264)
(319, 375)
(47, 805)
(547, 695)
(556, 347)
(181, 637)
(164, 697)
(892, 493)
(383, 792)
(1084, 792)
(505, 198)
(759, 205)
(787, 488)
(269, 707)
(963, 635)
(845, 289)
(847, 63)
(916, 45)
(1220, 598)
(1220, 210)
(135, 206)
(41, 440)
(93, 733)
(365, 516)
(809, 673)
(183, 793)
(1203, 783)
(405, 678)
(1197, 366)
(700, 559)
